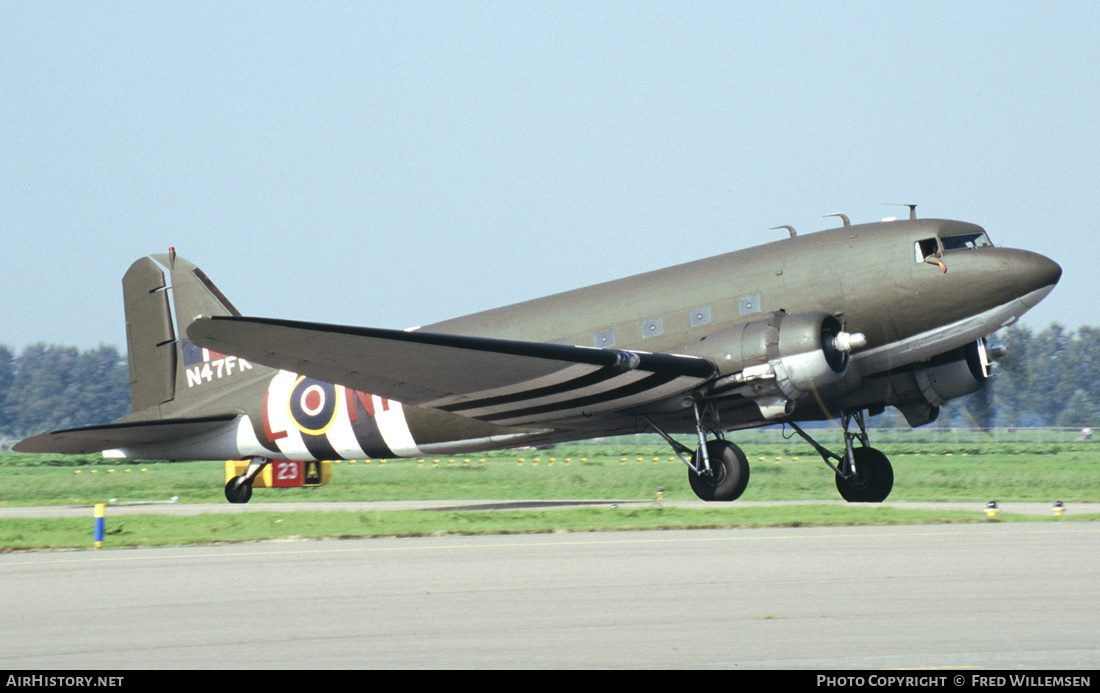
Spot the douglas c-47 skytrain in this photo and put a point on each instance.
(834, 324)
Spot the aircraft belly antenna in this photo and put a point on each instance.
(843, 217)
(790, 229)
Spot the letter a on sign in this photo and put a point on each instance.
(313, 474)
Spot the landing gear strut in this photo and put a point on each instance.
(718, 469)
(239, 488)
(863, 474)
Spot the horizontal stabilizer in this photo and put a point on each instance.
(78, 441)
(503, 381)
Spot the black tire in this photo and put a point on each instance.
(237, 494)
(730, 472)
(873, 481)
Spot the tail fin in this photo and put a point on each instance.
(166, 406)
(158, 350)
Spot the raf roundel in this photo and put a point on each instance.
(313, 405)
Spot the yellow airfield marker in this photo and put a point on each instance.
(100, 511)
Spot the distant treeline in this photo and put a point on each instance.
(50, 387)
(1048, 378)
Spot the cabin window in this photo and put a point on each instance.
(749, 304)
(964, 241)
(699, 316)
(652, 328)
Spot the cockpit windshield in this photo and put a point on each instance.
(963, 241)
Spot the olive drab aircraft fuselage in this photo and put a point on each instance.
(834, 324)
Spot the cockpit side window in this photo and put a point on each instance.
(964, 241)
(928, 251)
(925, 249)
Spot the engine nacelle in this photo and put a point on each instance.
(780, 359)
(954, 374)
(919, 392)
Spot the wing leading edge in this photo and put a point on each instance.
(505, 382)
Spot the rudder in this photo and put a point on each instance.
(150, 339)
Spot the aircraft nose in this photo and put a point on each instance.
(1034, 271)
(1032, 275)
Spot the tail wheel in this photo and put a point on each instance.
(873, 480)
(729, 472)
(238, 492)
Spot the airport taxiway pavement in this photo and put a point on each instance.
(999, 595)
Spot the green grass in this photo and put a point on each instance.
(609, 472)
(165, 530)
(1066, 476)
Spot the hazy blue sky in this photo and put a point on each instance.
(395, 163)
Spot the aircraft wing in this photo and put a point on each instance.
(502, 381)
(79, 441)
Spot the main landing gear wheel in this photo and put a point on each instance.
(729, 472)
(237, 491)
(873, 480)
(873, 477)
